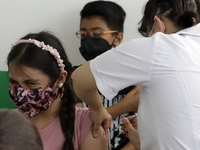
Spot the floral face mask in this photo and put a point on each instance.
(32, 101)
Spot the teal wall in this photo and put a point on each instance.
(5, 101)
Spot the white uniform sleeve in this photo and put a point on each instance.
(128, 64)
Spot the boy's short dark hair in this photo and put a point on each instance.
(112, 13)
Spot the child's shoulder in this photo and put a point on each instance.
(82, 126)
(82, 114)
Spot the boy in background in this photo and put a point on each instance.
(101, 29)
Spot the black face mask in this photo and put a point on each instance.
(91, 48)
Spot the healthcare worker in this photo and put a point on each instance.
(167, 67)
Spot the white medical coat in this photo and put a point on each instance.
(167, 67)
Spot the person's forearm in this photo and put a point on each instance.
(136, 143)
(128, 104)
(128, 146)
(85, 86)
(90, 97)
(116, 110)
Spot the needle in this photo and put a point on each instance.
(123, 124)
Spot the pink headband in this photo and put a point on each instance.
(52, 50)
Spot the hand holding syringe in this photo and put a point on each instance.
(123, 124)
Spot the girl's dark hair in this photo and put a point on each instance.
(183, 13)
(32, 56)
(18, 132)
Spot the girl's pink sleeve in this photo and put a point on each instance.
(82, 126)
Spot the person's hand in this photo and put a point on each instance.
(100, 117)
(130, 129)
(131, 100)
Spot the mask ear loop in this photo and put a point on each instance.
(163, 26)
(114, 39)
(62, 92)
(152, 29)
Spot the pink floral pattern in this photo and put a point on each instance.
(32, 101)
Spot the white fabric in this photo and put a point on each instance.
(167, 67)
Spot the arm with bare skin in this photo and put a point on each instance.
(86, 89)
(99, 143)
(128, 104)
(130, 129)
